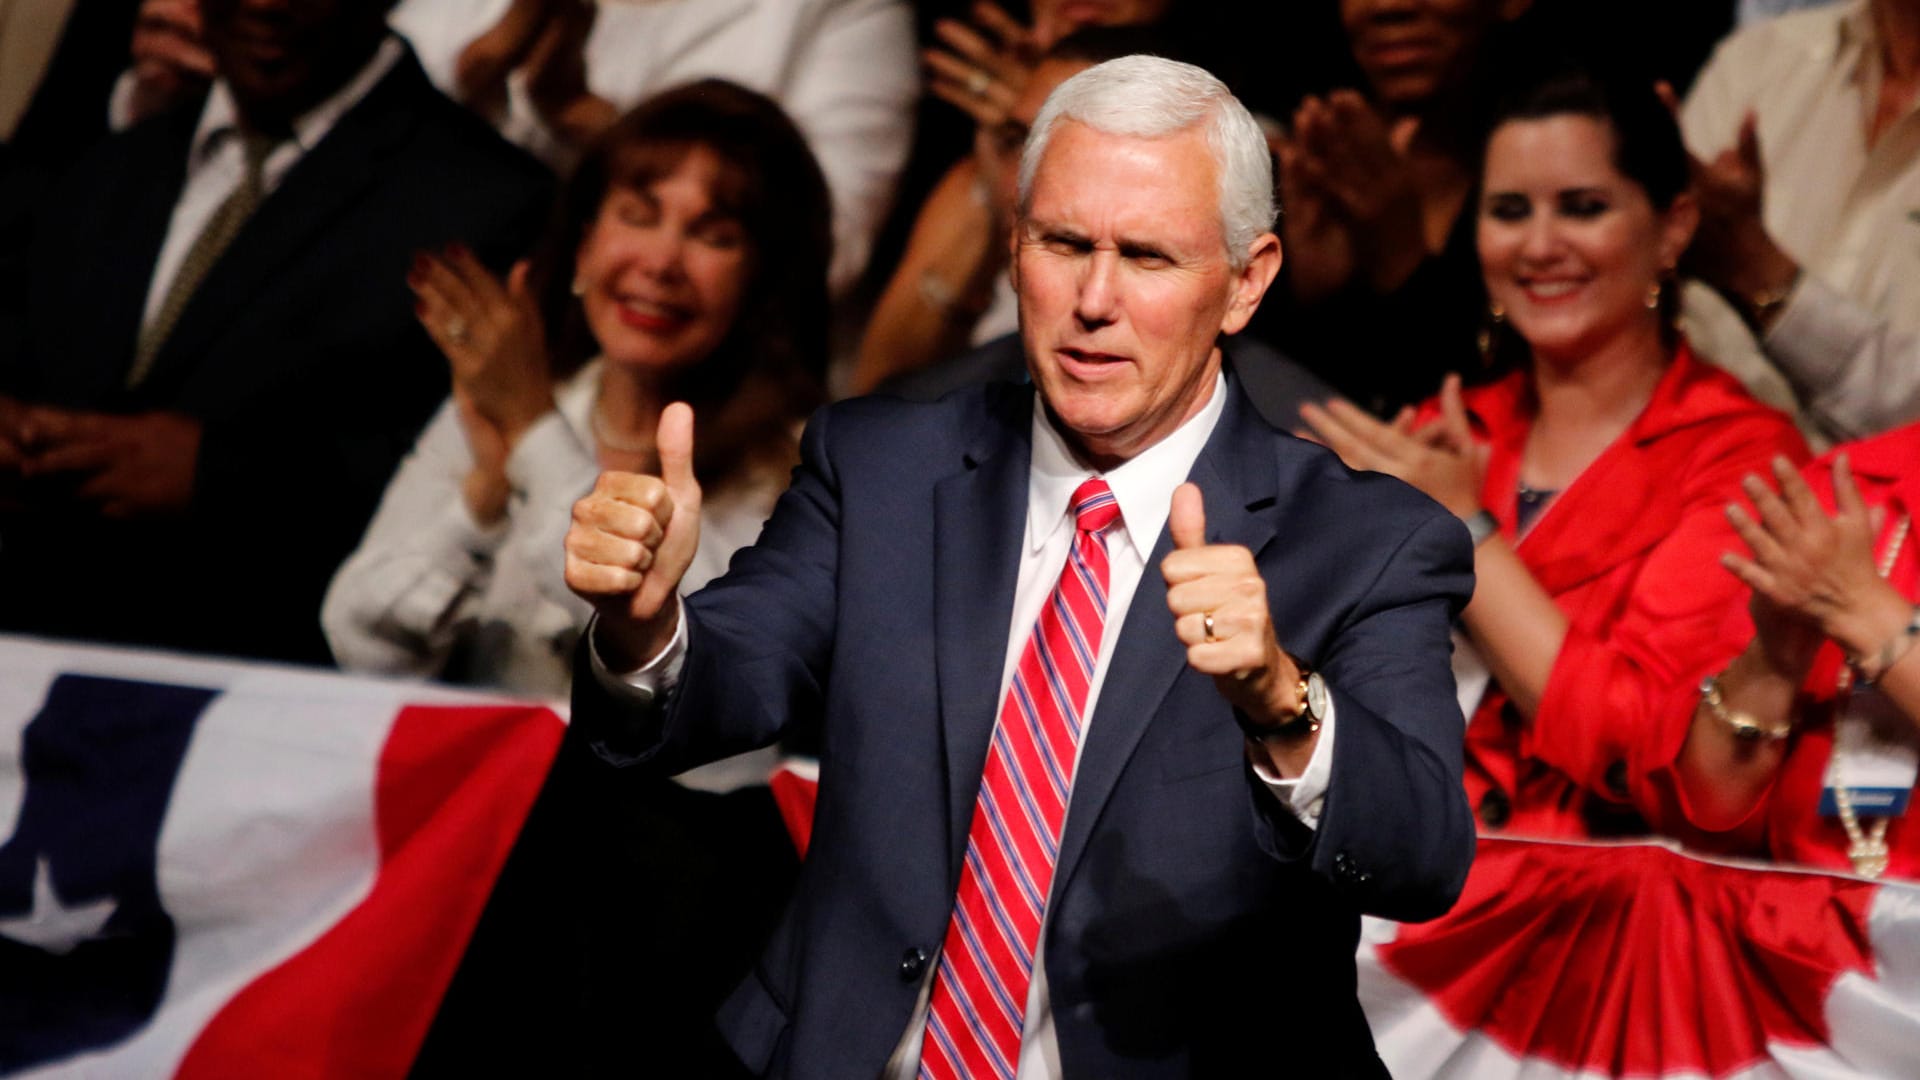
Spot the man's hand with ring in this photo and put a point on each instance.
(1219, 603)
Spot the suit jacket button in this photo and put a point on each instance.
(1495, 809)
(913, 964)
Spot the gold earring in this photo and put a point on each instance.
(1496, 318)
(579, 287)
(1653, 297)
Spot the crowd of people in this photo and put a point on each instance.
(317, 318)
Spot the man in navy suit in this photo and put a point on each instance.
(194, 432)
(1266, 744)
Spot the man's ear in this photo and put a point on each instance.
(1252, 282)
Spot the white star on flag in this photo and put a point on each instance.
(53, 926)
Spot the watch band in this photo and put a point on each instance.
(1762, 307)
(1481, 526)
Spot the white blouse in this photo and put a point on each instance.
(431, 593)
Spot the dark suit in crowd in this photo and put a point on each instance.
(299, 354)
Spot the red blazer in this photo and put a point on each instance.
(1787, 823)
(1629, 551)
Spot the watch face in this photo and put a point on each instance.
(1319, 703)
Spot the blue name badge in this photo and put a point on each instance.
(1868, 802)
(1875, 754)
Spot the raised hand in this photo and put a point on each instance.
(1806, 564)
(981, 68)
(169, 58)
(480, 72)
(1731, 249)
(493, 338)
(1441, 458)
(1352, 166)
(1219, 604)
(556, 71)
(632, 538)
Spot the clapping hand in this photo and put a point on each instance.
(1731, 249)
(981, 68)
(170, 59)
(1353, 206)
(495, 344)
(1813, 573)
(1440, 458)
(632, 538)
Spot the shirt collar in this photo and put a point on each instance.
(219, 118)
(1142, 485)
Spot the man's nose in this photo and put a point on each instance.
(1098, 301)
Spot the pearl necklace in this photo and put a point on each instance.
(597, 422)
(1866, 847)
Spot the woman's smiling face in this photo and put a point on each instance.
(663, 268)
(1571, 248)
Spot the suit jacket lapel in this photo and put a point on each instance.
(1238, 480)
(980, 518)
(92, 364)
(326, 182)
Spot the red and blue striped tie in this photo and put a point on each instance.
(986, 963)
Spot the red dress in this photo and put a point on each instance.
(1787, 823)
(1629, 552)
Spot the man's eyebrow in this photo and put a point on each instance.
(1048, 230)
(1143, 249)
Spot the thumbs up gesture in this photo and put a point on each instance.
(1219, 603)
(631, 541)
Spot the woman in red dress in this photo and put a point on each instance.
(1803, 746)
(1593, 478)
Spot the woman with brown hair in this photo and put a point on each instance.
(687, 262)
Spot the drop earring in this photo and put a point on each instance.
(1496, 318)
(1653, 296)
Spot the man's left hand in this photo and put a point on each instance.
(125, 466)
(1219, 603)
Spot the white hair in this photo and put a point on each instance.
(1149, 97)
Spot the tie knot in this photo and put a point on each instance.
(1094, 507)
(256, 148)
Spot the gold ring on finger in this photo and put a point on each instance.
(1206, 624)
(978, 83)
(457, 329)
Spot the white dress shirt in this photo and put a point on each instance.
(1847, 340)
(216, 162)
(1143, 486)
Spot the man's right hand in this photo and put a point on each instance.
(170, 59)
(632, 539)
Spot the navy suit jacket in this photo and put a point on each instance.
(1195, 927)
(299, 354)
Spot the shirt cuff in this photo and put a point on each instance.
(652, 681)
(1306, 794)
(1817, 333)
